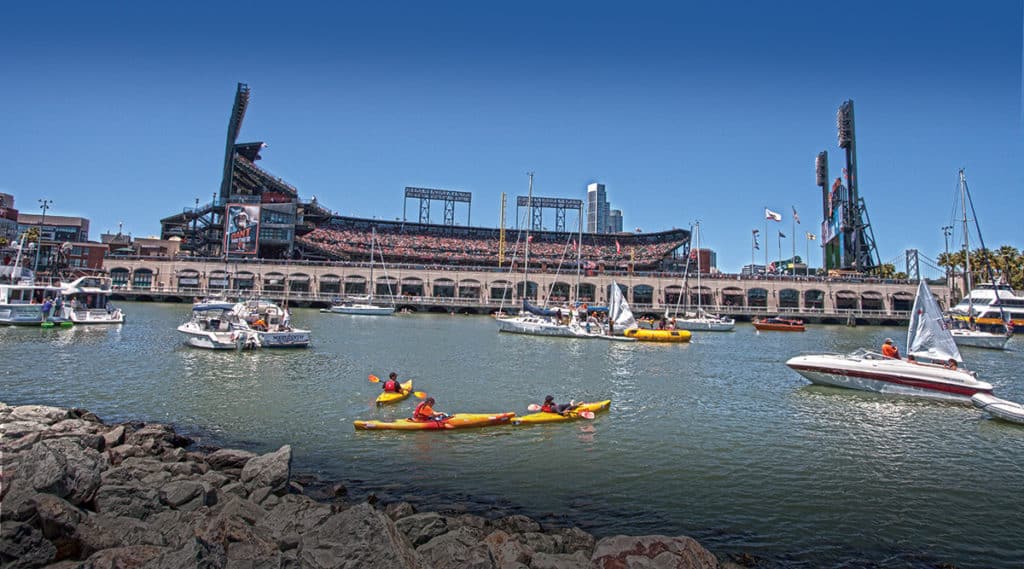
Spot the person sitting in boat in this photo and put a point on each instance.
(259, 324)
(425, 412)
(392, 385)
(890, 350)
(951, 364)
(550, 406)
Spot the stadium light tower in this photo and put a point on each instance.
(45, 205)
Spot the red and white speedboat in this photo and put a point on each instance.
(928, 338)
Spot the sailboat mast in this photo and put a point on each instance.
(529, 220)
(967, 247)
(699, 299)
(373, 241)
(579, 257)
(981, 241)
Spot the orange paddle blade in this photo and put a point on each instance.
(374, 379)
(420, 394)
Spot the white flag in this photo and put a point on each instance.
(769, 214)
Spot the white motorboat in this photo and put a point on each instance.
(86, 300)
(22, 301)
(927, 338)
(999, 408)
(217, 326)
(980, 339)
(272, 325)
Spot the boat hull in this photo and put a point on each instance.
(387, 397)
(999, 408)
(536, 327)
(457, 421)
(362, 310)
(668, 336)
(701, 325)
(975, 339)
(889, 376)
(543, 417)
(291, 339)
(775, 327)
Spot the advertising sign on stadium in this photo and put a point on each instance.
(242, 223)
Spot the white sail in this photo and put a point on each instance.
(619, 310)
(927, 335)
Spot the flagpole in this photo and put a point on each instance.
(793, 260)
(807, 263)
(780, 247)
(753, 240)
(766, 243)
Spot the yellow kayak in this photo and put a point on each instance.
(645, 335)
(458, 421)
(542, 417)
(391, 397)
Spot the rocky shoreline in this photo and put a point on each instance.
(76, 492)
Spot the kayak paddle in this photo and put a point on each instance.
(374, 379)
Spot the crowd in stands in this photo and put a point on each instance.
(350, 244)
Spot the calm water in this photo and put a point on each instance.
(717, 439)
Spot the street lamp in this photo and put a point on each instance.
(45, 205)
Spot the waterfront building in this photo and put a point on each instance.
(8, 219)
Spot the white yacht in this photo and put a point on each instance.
(86, 300)
(244, 325)
(360, 306)
(21, 300)
(983, 305)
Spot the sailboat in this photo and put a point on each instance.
(928, 339)
(702, 320)
(364, 305)
(965, 331)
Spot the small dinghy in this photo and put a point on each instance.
(999, 408)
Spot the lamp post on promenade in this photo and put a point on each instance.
(45, 205)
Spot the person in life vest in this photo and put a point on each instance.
(392, 385)
(425, 412)
(550, 406)
(890, 350)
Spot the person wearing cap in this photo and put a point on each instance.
(890, 350)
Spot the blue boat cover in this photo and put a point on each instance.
(537, 310)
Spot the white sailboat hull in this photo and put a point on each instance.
(537, 327)
(979, 339)
(363, 310)
(873, 372)
(705, 324)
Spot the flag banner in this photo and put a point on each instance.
(529, 239)
(618, 248)
(796, 217)
(811, 237)
(782, 235)
(756, 244)
(574, 245)
(755, 231)
(772, 215)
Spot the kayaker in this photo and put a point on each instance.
(550, 406)
(425, 412)
(890, 350)
(392, 385)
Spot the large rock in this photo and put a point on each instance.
(229, 459)
(114, 437)
(23, 547)
(516, 524)
(294, 516)
(421, 528)
(506, 551)
(578, 560)
(270, 470)
(358, 537)
(186, 494)
(194, 554)
(162, 435)
(64, 468)
(130, 557)
(651, 551)
(457, 549)
(127, 500)
(38, 414)
(14, 430)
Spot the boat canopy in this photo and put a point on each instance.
(213, 306)
(538, 310)
(927, 335)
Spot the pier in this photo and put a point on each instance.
(484, 290)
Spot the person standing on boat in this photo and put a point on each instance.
(47, 305)
(890, 350)
(392, 385)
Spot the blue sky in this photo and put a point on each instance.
(686, 111)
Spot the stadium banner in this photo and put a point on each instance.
(243, 229)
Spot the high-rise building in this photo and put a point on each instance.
(615, 221)
(597, 209)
